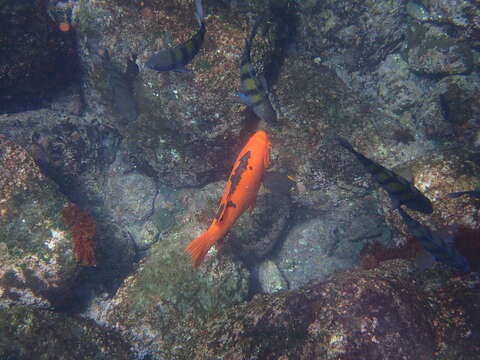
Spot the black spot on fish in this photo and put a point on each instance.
(237, 173)
(219, 211)
(250, 168)
(230, 203)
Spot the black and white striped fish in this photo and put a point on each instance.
(441, 248)
(177, 57)
(253, 93)
(401, 191)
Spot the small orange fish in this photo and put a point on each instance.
(240, 193)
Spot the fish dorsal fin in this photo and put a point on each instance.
(266, 159)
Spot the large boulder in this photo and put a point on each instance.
(39, 334)
(378, 314)
(38, 266)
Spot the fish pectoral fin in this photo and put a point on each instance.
(220, 212)
(266, 159)
(395, 202)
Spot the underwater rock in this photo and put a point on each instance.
(130, 199)
(31, 334)
(68, 149)
(417, 11)
(317, 248)
(256, 233)
(166, 299)
(430, 50)
(354, 33)
(443, 172)
(187, 122)
(316, 105)
(397, 86)
(37, 266)
(464, 15)
(37, 59)
(381, 314)
(270, 278)
(451, 108)
(438, 173)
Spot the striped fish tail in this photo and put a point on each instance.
(345, 144)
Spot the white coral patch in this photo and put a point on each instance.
(57, 237)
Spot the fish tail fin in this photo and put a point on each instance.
(199, 14)
(199, 247)
(345, 144)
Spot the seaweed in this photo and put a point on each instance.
(83, 228)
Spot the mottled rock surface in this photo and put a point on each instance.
(463, 14)
(148, 151)
(37, 266)
(255, 234)
(398, 87)
(185, 120)
(430, 50)
(354, 33)
(451, 108)
(75, 153)
(166, 299)
(270, 278)
(37, 334)
(379, 314)
(317, 248)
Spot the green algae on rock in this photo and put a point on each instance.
(166, 299)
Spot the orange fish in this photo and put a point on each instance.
(240, 193)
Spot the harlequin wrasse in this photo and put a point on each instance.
(253, 92)
(401, 191)
(240, 193)
(441, 248)
(175, 58)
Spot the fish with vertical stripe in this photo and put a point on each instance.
(176, 58)
(442, 249)
(253, 93)
(401, 191)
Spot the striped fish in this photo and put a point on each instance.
(401, 191)
(253, 93)
(473, 193)
(176, 58)
(443, 250)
